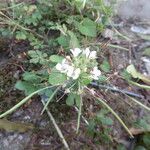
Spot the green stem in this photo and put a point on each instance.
(56, 127)
(112, 111)
(23, 101)
(79, 114)
(139, 103)
(140, 85)
(51, 97)
(80, 108)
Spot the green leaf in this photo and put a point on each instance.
(28, 88)
(105, 66)
(20, 35)
(56, 58)
(32, 53)
(126, 75)
(63, 41)
(135, 74)
(131, 69)
(140, 148)
(85, 81)
(30, 76)
(70, 99)
(147, 51)
(121, 147)
(74, 42)
(37, 57)
(102, 79)
(142, 123)
(57, 78)
(106, 120)
(87, 27)
(146, 139)
(34, 60)
(47, 92)
(10, 126)
(77, 100)
(102, 112)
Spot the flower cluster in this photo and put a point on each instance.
(81, 62)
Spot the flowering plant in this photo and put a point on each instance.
(72, 73)
(75, 72)
(83, 64)
(81, 67)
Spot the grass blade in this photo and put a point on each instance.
(50, 98)
(23, 101)
(111, 110)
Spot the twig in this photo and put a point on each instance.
(84, 119)
(115, 89)
(56, 126)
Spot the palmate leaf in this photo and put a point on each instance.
(37, 57)
(20, 35)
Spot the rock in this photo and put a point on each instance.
(134, 9)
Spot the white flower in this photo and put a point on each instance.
(70, 70)
(92, 55)
(76, 51)
(76, 73)
(67, 91)
(86, 52)
(89, 54)
(63, 67)
(73, 73)
(95, 73)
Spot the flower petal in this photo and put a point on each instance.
(76, 73)
(70, 70)
(76, 51)
(58, 67)
(86, 52)
(95, 73)
(92, 55)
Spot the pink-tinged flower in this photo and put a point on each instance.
(95, 73)
(76, 51)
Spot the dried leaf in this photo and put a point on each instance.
(10, 126)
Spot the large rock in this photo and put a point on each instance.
(136, 9)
